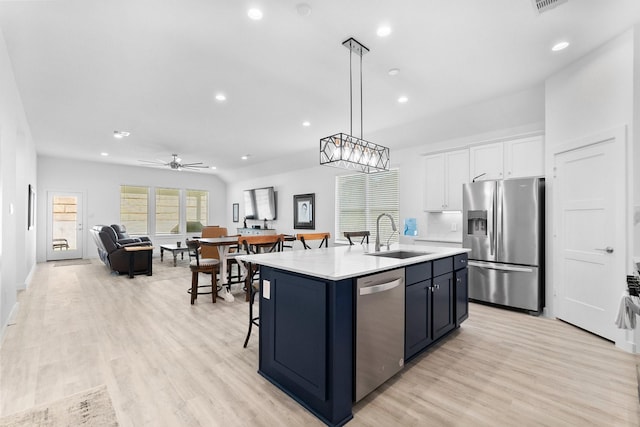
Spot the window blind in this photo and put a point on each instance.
(361, 198)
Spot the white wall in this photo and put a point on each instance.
(17, 171)
(319, 180)
(594, 94)
(101, 182)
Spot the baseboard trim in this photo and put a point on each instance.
(28, 279)
(10, 321)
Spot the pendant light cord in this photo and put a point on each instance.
(350, 95)
(361, 112)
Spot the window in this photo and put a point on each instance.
(175, 210)
(167, 211)
(197, 210)
(134, 205)
(361, 198)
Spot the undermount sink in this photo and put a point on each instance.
(400, 254)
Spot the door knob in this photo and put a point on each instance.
(608, 249)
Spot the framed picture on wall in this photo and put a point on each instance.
(236, 212)
(304, 214)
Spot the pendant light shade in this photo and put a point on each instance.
(348, 152)
(345, 150)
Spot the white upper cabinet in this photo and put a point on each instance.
(445, 173)
(511, 159)
(486, 161)
(524, 157)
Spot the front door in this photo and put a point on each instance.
(589, 232)
(64, 225)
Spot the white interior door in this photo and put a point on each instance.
(589, 232)
(64, 225)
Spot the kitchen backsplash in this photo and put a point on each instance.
(443, 226)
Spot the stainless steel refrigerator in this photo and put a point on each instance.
(503, 225)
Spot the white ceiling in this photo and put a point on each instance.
(88, 67)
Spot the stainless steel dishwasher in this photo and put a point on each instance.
(379, 329)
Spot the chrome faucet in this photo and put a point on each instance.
(393, 225)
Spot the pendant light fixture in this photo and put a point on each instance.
(346, 150)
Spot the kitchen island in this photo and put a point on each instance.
(309, 315)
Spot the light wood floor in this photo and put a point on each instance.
(167, 363)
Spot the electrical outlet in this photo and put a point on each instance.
(454, 226)
(266, 289)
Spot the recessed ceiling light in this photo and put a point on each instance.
(383, 31)
(403, 99)
(221, 97)
(394, 71)
(245, 157)
(213, 167)
(306, 124)
(120, 134)
(104, 154)
(255, 14)
(560, 46)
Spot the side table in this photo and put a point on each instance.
(132, 250)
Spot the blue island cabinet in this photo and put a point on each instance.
(307, 342)
(436, 301)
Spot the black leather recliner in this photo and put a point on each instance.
(111, 248)
(121, 232)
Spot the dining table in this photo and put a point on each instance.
(223, 244)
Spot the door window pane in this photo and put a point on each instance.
(197, 210)
(65, 215)
(134, 207)
(167, 211)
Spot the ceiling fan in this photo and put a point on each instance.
(176, 165)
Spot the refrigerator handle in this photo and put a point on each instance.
(499, 219)
(492, 231)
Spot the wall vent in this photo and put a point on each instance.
(545, 5)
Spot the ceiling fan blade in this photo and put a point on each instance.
(191, 164)
(194, 167)
(153, 162)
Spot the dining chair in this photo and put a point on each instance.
(363, 234)
(255, 245)
(305, 237)
(212, 232)
(212, 251)
(198, 265)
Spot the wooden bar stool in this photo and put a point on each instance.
(254, 245)
(323, 237)
(201, 265)
(363, 234)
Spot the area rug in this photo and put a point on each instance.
(72, 262)
(90, 408)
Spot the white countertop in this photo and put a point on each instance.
(343, 262)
